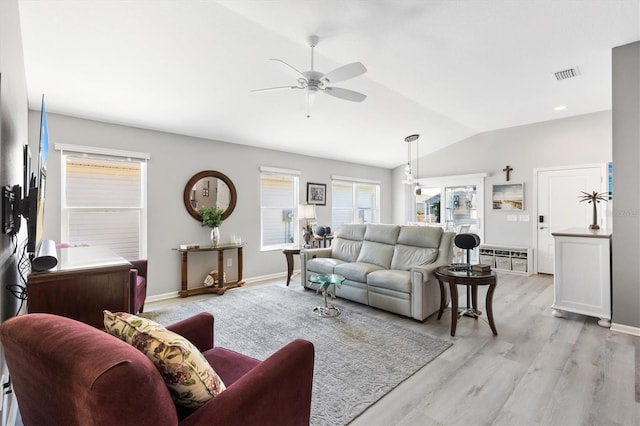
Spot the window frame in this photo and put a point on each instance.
(294, 175)
(354, 183)
(96, 152)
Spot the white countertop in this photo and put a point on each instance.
(583, 232)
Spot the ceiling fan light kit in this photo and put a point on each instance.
(313, 81)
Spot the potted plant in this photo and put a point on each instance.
(212, 218)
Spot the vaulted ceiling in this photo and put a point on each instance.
(446, 69)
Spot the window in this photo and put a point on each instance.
(354, 202)
(104, 202)
(428, 205)
(278, 207)
(452, 202)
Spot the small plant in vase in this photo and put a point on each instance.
(212, 218)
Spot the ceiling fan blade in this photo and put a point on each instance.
(289, 69)
(276, 88)
(345, 72)
(346, 94)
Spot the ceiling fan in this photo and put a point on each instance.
(313, 81)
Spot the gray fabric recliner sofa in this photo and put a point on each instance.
(385, 266)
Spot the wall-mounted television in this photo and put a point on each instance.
(42, 257)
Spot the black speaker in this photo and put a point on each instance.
(46, 257)
(466, 241)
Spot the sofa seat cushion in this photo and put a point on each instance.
(323, 265)
(405, 257)
(187, 373)
(390, 279)
(356, 271)
(230, 365)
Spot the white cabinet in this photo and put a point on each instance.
(505, 258)
(582, 273)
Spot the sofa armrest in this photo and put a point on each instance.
(133, 278)
(197, 329)
(275, 392)
(141, 265)
(316, 252)
(308, 254)
(428, 270)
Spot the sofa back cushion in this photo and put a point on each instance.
(417, 245)
(376, 253)
(348, 242)
(420, 236)
(377, 247)
(406, 257)
(351, 231)
(387, 234)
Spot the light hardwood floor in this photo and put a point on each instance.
(539, 370)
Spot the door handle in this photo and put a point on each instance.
(543, 227)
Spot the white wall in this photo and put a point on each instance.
(13, 135)
(577, 140)
(584, 139)
(626, 181)
(174, 159)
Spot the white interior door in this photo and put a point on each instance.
(559, 206)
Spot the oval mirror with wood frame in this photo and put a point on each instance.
(211, 189)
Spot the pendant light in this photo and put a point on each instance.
(409, 178)
(408, 175)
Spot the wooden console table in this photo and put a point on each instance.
(222, 285)
(86, 281)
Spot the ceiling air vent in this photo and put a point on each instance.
(566, 74)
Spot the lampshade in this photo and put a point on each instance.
(307, 211)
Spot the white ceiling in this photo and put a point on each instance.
(444, 69)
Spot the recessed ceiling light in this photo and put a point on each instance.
(560, 108)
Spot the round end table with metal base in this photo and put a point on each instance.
(326, 281)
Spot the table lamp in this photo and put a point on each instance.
(307, 212)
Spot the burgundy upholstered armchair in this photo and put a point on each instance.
(138, 286)
(65, 372)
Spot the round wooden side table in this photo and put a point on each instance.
(472, 279)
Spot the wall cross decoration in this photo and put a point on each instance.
(507, 170)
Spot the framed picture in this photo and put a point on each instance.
(508, 197)
(317, 194)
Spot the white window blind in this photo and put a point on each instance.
(278, 215)
(354, 202)
(104, 203)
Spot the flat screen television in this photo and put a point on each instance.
(35, 202)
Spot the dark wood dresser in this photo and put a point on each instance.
(86, 281)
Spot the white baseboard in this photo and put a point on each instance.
(252, 280)
(635, 331)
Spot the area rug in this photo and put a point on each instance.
(358, 357)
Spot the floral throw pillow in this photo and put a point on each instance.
(190, 378)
